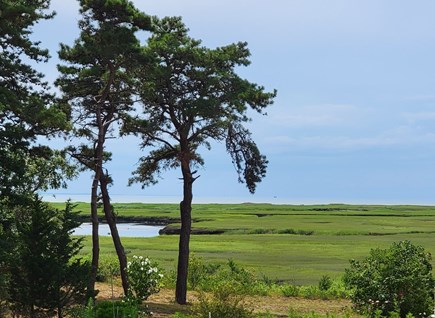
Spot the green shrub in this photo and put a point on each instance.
(81, 311)
(325, 282)
(108, 268)
(224, 302)
(107, 309)
(290, 290)
(197, 271)
(144, 277)
(206, 277)
(336, 290)
(116, 309)
(395, 279)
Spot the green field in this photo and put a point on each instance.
(323, 237)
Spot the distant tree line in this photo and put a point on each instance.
(173, 93)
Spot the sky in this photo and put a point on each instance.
(353, 121)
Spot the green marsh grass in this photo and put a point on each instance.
(322, 238)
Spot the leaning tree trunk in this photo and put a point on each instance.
(111, 220)
(186, 224)
(95, 237)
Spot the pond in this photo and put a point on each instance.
(124, 229)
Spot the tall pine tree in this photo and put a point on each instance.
(191, 95)
(97, 82)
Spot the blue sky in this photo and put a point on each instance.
(353, 119)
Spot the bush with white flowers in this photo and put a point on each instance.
(144, 277)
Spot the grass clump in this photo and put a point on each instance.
(326, 289)
(206, 277)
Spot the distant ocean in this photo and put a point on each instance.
(118, 198)
(138, 198)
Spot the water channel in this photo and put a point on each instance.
(124, 229)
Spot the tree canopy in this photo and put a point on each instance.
(191, 95)
(27, 109)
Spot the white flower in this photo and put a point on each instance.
(160, 275)
(141, 268)
(140, 257)
(134, 256)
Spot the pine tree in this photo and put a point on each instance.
(191, 95)
(46, 275)
(98, 84)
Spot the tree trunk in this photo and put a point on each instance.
(95, 237)
(98, 169)
(111, 220)
(186, 224)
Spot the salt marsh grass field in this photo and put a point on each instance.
(294, 243)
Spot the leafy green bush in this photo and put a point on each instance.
(243, 281)
(224, 302)
(196, 271)
(108, 268)
(144, 276)
(117, 309)
(325, 282)
(398, 279)
(290, 290)
(107, 309)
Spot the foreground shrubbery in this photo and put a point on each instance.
(109, 309)
(145, 278)
(223, 301)
(43, 274)
(398, 279)
(207, 277)
(396, 282)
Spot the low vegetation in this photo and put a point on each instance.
(248, 254)
(398, 279)
(227, 270)
(253, 234)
